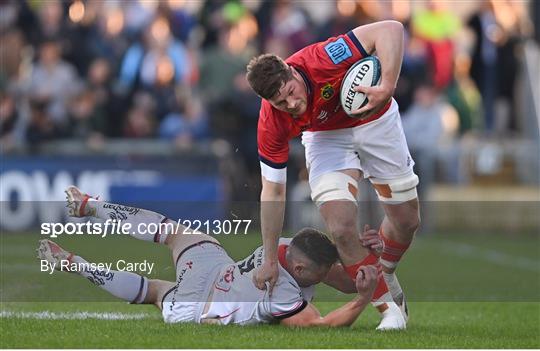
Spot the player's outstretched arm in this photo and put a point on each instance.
(339, 279)
(344, 316)
(272, 216)
(385, 38)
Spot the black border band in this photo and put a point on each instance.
(141, 287)
(292, 313)
(272, 164)
(167, 293)
(357, 43)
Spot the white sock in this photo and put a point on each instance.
(151, 223)
(394, 287)
(127, 286)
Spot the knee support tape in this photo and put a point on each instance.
(334, 186)
(396, 191)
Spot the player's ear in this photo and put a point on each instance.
(299, 268)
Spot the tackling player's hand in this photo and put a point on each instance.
(372, 241)
(377, 97)
(267, 272)
(366, 281)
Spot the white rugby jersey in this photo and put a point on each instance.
(237, 300)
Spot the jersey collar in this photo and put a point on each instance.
(309, 86)
(282, 251)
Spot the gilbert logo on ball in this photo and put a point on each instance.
(367, 73)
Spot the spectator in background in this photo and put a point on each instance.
(99, 79)
(426, 124)
(150, 46)
(437, 27)
(181, 22)
(107, 37)
(50, 22)
(187, 123)
(140, 120)
(287, 27)
(87, 121)
(11, 56)
(157, 56)
(232, 106)
(41, 127)
(53, 80)
(464, 96)
(212, 20)
(414, 68)
(9, 117)
(484, 59)
(341, 22)
(139, 124)
(10, 13)
(498, 27)
(137, 16)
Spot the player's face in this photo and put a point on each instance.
(307, 276)
(292, 97)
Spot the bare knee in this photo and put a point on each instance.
(342, 231)
(404, 227)
(404, 219)
(408, 224)
(157, 289)
(346, 238)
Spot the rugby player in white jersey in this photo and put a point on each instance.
(211, 288)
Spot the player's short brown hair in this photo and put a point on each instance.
(266, 74)
(316, 246)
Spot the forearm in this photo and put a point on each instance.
(272, 217)
(345, 315)
(389, 48)
(340, 280)
(386, 38)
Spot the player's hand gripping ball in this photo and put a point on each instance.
(366, 72)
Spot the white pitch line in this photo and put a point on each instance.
(489, 255)
(112, 316)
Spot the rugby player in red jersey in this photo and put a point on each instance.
(301, 97)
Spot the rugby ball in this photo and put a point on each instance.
(367, 73)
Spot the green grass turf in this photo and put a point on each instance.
(433, 325)
(465, 291)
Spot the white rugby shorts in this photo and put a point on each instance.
(377, 148)
(196, 270)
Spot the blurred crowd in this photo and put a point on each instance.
(174, 70)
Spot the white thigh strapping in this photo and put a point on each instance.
(334, 186)
(396, 191)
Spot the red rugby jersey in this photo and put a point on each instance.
(322, 66)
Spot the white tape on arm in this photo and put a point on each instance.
(276, 175)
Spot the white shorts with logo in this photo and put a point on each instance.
(196, 270)
(377, 148)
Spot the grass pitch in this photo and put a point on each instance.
(465, 291)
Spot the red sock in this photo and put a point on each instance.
(371, 259)
(392, 251)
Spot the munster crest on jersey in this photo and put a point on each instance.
(327, 91)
